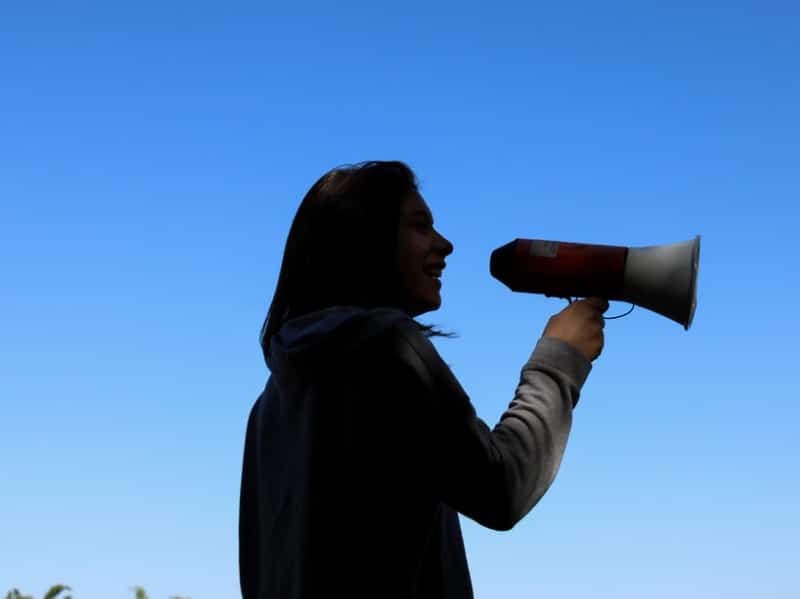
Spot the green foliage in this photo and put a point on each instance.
(57, 588)
(140, 594)
(51, 594)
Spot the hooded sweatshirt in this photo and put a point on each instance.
(363, 448)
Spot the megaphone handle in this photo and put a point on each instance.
(570, 300)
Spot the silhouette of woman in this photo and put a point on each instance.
(363, 448)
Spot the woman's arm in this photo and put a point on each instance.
(493, 476)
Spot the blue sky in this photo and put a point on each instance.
(152, 157)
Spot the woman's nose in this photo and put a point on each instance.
(444, 245)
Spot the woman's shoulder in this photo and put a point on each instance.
(397, 341)
(395, 327)
(399, 358)
(381, 325)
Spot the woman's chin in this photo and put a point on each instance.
(426, 299)
(429, 304)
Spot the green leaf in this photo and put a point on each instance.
(55, 590)
(140, 594)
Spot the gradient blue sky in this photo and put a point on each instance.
(152, 157)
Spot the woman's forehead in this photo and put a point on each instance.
(416, 204)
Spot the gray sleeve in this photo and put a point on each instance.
(532, 433)
(497, 476)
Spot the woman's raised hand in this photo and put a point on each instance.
(581, 325)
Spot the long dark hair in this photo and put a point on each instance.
(342, 243)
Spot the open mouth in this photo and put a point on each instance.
(434, 277)
(434, 272)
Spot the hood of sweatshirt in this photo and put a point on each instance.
(327, 334)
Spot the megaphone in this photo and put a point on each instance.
(661, 278)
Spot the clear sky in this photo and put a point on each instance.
(153, 155)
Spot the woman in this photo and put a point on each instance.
(363, 447)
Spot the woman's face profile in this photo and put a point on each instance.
(421, 253)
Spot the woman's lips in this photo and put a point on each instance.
(434, 270)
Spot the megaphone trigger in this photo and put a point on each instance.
(609, 317)
(621, 315)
